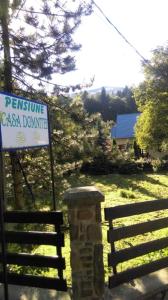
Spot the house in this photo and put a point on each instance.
(123, 130)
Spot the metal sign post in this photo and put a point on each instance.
(23, 124)
(2, 204)
(51, 162)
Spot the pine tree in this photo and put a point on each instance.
(36, 50)
(43, 45)
(104, 103)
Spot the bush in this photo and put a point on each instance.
(156, 165)
(127, 194)
(129, 168)
(100, 167)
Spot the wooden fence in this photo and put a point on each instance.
(55, 238)
(116, 234)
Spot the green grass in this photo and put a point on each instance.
(120, 190)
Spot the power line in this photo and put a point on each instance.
(107, 19)
(119, 32)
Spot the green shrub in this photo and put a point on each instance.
(156, 165)
(127, 194)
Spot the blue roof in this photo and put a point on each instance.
(124, 127)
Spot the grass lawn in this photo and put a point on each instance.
(118, 190)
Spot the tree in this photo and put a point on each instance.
(152, 126)
(152, 99)
(104, 142)
(74, 136)
(104, 101)
(38, 55)
(110, 105)
(91, 103)
(127, 96)
(49, 48)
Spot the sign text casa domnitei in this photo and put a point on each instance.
(24, 123)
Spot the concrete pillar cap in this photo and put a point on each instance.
(86, 195)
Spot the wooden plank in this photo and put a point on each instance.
(140, 271)
(117, 234)
(23, 259)
(35, 238)
(50, 217)
(36, 281)
(113, 250)
(136, 251)
(135, 209)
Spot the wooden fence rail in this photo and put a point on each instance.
(116, 234)
(55, 238)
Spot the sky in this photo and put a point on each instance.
(105, 55)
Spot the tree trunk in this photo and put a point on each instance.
(16, 172)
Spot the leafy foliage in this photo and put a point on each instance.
(151, 98)
(36, 43)
(41, 39)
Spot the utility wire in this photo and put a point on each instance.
(119, 32)
(104, 15)
(109, 21)
(145, 61)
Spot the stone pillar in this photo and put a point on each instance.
(84, 212)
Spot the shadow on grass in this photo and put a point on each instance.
(155, 181)
(128, 182)
(133, 182)
(82, 180)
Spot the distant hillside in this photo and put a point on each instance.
(109, 104)
(109, 90)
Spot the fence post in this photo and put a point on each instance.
(84, 213)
